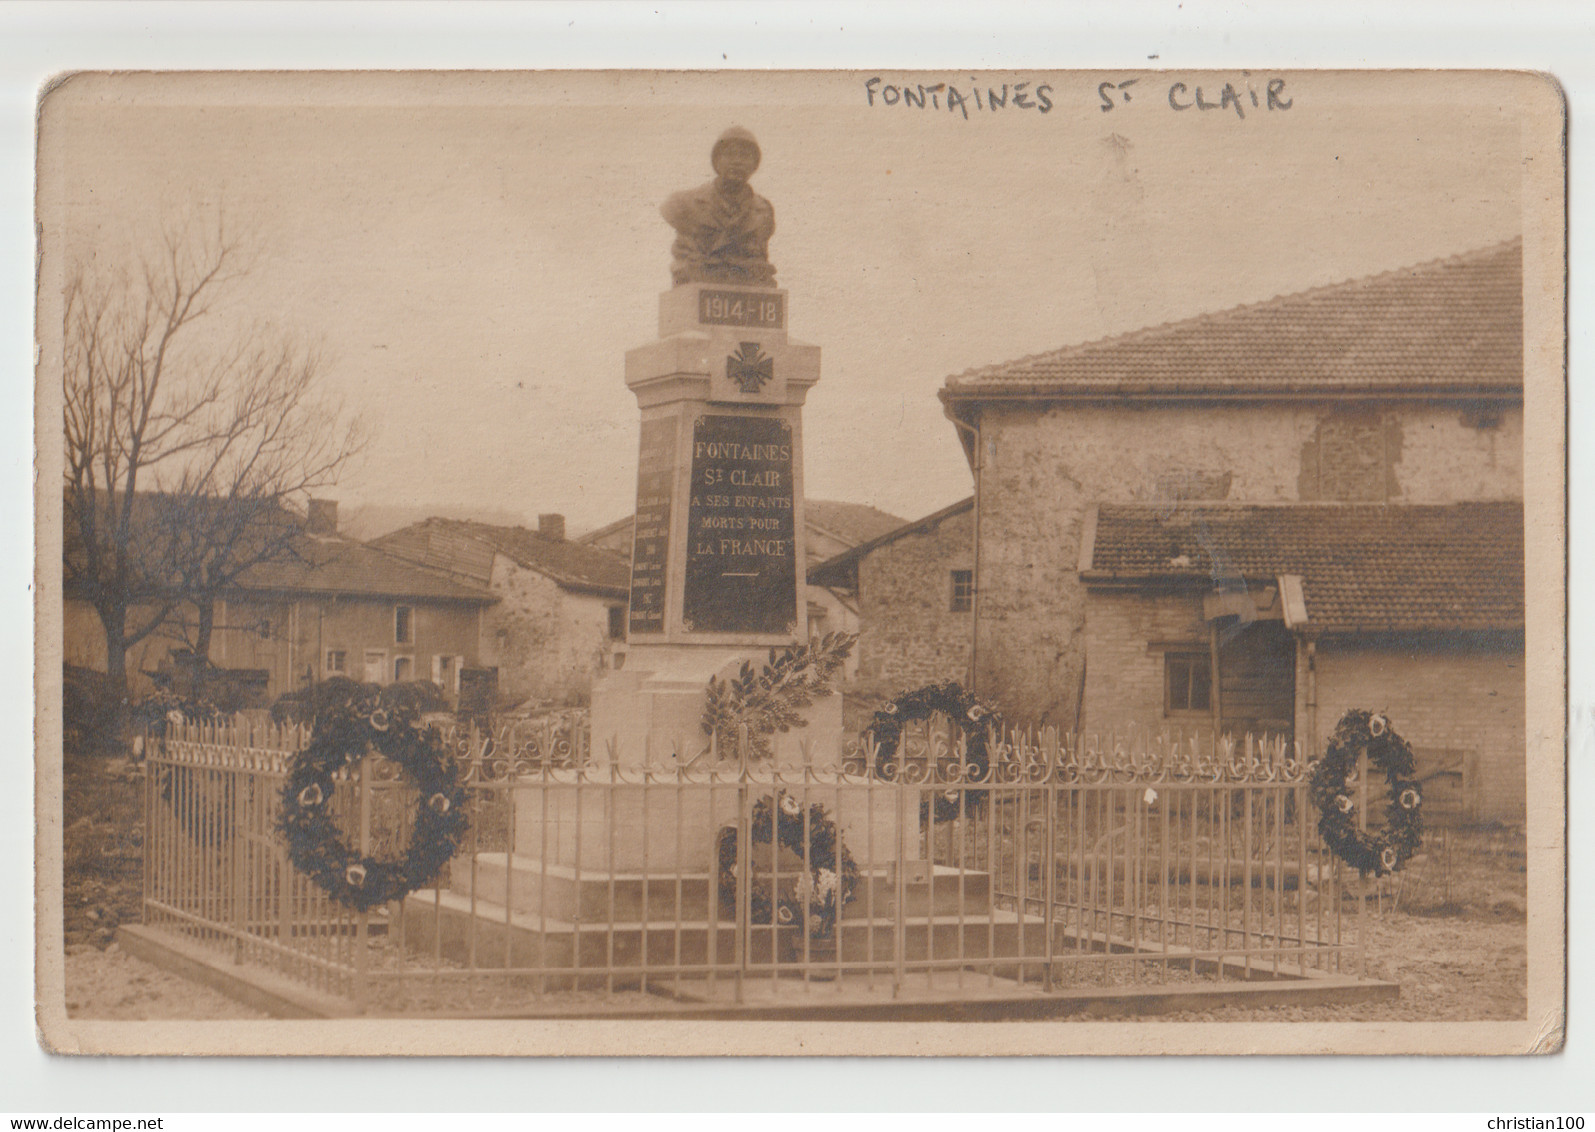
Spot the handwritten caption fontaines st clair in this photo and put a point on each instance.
(964, 101)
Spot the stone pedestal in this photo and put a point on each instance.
(717, 563)
(665, 830)
(717, 581)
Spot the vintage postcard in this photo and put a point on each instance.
(880, 562)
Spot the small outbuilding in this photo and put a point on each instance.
(1277, 618)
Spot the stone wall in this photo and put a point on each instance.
(549, 643)
(1126, 636)
(291, 640)
(909, 636)
(356, 627)
(1464, 698)
(1043, 469)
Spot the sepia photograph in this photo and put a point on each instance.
(824, 562)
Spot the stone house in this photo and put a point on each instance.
(830, 528)
(1325, 487)
(338, 608)
(560, 615)
(913, 590)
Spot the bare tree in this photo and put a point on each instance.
(191, 438)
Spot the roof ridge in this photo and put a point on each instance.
(569, 562)
(1143, 332)
(1304, 504)
(1366, 567)
(870, 545)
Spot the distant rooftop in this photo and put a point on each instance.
(1452, 325)
(465, 549)
(842, 569)
(336, 565)
(312, 562)
(1364, 567)
(851, 522)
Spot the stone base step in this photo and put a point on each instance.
(593, 896)
(489, 935)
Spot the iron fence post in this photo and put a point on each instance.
(240, 856)
(362, 919)
(1049, 847)
(744, 926)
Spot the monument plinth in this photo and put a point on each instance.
(717, 560)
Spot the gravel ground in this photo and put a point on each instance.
(113, 984)
(1450, 970)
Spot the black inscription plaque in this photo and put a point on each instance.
(741, 554)
(650, 547)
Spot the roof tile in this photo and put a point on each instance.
(1447, 323)
(465, 548)
(331, 564)
(1365, 567)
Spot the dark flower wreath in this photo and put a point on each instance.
(1332, 779)
(386, 721)
(833, 873)
(974, 716)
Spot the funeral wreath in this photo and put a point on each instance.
(976, 719)
(818, 898)
(369, 719)
(1334, 785)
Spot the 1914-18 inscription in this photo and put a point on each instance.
(740, 308)
(656, 461)
(741, 554)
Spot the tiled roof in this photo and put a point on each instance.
(592, 538)
(320, 564)
(1364, 567)
(851, 522)
(465, 548)
(840, 570)
(1450, 324)
(331, 564)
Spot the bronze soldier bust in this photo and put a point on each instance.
(723, 228)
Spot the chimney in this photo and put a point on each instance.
(323, 519)
(551, 526)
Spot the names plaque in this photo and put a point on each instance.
(741, 549)
(650, 547)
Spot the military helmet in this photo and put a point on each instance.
(736, 133)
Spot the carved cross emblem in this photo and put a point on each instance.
(749, 368)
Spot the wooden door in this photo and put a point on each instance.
(1257, 680)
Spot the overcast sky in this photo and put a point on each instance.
(477, 253)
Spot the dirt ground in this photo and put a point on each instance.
(103, 846)
(112, 984)
(1452, 969)
(1451, 930)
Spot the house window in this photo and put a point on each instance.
(403, 624)
(963, 599)
(617, 622)
(1187, 681)
(337, 662)
(403, 669)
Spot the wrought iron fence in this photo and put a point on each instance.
(1056, 861)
